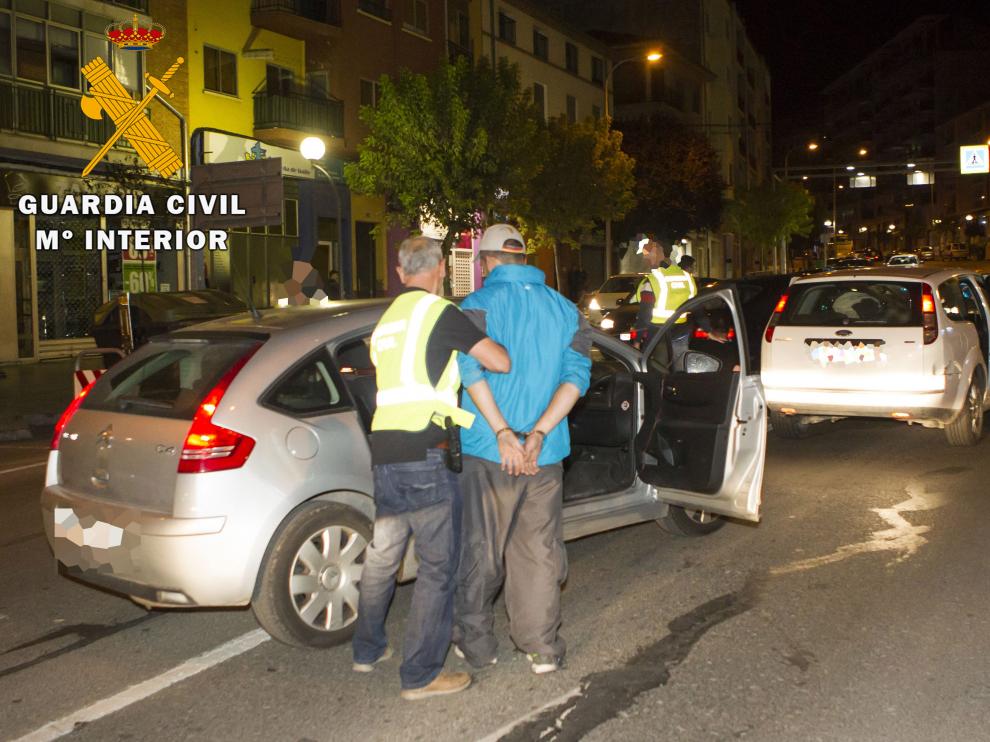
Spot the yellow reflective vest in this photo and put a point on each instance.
(406, 399)
(671, 287)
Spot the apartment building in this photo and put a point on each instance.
(962, 201)
(891, 106)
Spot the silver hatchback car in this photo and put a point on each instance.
(228, 463)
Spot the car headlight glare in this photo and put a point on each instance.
(608, 324)
(593, 304)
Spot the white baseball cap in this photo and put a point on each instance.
(502, 238)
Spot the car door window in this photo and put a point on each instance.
(951, 296)
(353, 358)
(308, 389)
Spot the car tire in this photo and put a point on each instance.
(967, 428)
(690, 522)
(789, 426)
(307, 589)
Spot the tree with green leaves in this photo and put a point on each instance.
(765, 215)
(451, 147)
(678, 179)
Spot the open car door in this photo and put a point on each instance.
(703, 438)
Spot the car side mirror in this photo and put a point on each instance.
(700, 363)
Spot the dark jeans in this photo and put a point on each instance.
(418, 499)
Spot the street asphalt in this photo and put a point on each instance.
(856, 610)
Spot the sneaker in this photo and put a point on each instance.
(460, 654)
(541, 664)
(369, 666)
(443, 685)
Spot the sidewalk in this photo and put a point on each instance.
(32, 396)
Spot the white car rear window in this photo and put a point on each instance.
(844, 303)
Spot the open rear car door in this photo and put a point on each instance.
(702, 443)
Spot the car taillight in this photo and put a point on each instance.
(929, 320)
(704, 334)
(208, 446)
(775, 317)
(67, 415)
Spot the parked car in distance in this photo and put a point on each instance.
(903, 260)
(616, 290)
(926, 253)
(157, 312)
(228, 464)
(857, 262)
(899, 343)
(959, 251)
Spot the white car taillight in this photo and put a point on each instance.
(775, 318)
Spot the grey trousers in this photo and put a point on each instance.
(512, 532)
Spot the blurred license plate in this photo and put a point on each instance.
(627, 336)
(847, 353)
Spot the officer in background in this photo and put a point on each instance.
(415, 348)
(661, 291)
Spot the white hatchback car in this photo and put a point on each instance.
(901, 343)
(903, 260)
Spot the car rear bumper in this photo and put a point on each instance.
(153, 558)
(909, 405)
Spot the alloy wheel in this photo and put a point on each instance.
(324, 576)
(700, 516)
(974, 402)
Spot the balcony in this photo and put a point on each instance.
(51, 113)
(377, 8)
(285, 116)
(296, 18)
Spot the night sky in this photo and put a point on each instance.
(809, 43)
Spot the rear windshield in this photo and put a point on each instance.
(620, 285)
(847, 303)
(166, 379)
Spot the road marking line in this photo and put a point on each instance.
(502, 731)
(21, 468)
(140, 691)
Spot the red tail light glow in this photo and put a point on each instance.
(775, 317)
(67, 415)
(704, 334)
(210, 447)
(929, 320)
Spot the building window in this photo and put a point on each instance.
(6, 51)
(540, 98)
(370, 93)
(541, 46)
(278, 80)
(31, 62)
(219, 70)
(63, 56)
(571, 57)
(418, 17)
(597, 70)
(377, 8)
(571, 109)
(596, 112)
(507, 29)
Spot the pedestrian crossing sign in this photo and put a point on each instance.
(974, 158)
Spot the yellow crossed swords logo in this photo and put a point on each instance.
(107, 94)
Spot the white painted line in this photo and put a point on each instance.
(502, 731)
(22, 468)
(105, 707)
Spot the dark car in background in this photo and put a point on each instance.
(155, 313)
(758, 294)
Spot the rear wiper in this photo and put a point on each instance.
(124, 402)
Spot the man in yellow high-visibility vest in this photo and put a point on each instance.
(414, 348)
(664, 288)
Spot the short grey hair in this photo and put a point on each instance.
(419, 254)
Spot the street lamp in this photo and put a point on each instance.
(810, 146)
(651, 57)
(313, 149)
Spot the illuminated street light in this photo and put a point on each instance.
(969, 217)
(863, 152)
(850, 167)
(911, 164)
(804, 177)
(860, 174)
(862, 229)
(828, 222)
(812, 146)
(891, 227)
(312, 148)
(654, 56)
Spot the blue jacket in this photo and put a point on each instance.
(549, 344)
